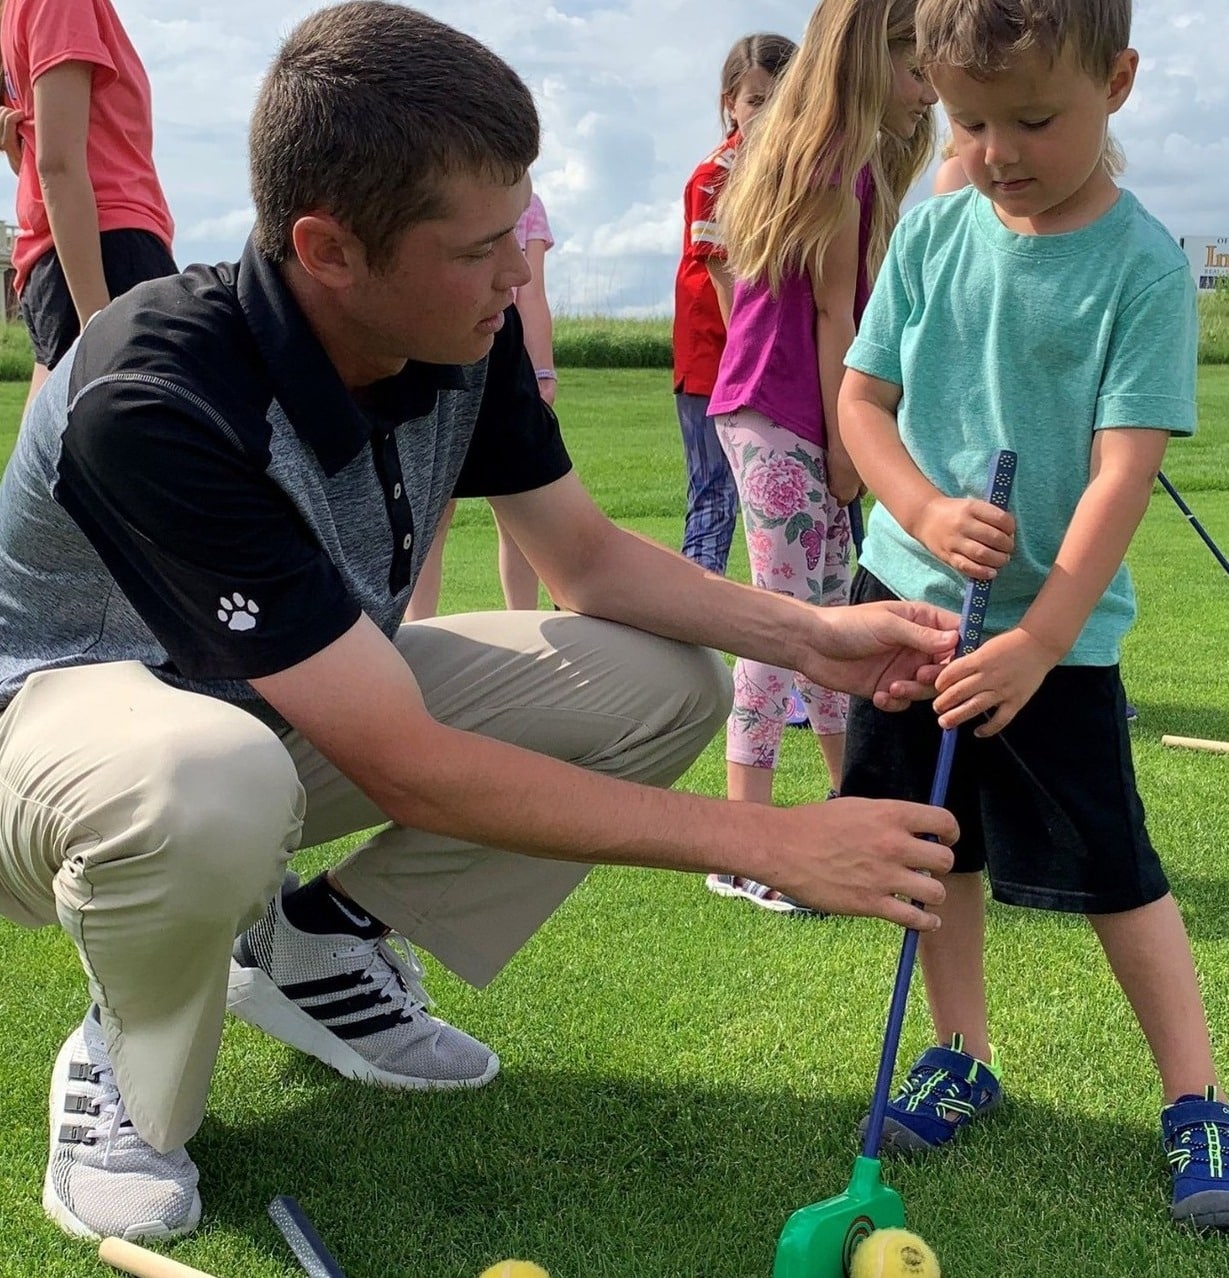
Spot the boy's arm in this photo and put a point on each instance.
(1005, 671)
(966, 533)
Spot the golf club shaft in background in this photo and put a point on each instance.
(1194, 523)
(973, 615)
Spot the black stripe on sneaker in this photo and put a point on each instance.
(372, 1025)
(344, 1006)
(339, 984)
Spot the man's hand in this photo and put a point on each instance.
(861, 856)
(967, 534)
(997, 679)
(889, 652)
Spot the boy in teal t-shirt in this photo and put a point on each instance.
(1045, 311)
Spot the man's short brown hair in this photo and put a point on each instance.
(984, 36)
(367, 107)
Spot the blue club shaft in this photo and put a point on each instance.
(972, 617)
(1194, 523)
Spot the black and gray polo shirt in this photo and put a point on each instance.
(195, 489)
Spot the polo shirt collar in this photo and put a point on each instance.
(321, 410)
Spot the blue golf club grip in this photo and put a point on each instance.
(972, 619)
(306, 1244)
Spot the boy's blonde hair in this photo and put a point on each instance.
(764, 49)
(984, 36)
(793, 183)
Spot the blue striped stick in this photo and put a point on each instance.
(972, 618)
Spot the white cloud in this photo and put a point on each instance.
(628, 95)
(232, 227)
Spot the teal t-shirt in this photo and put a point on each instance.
(1032, 343)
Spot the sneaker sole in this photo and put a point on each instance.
(718, 888)
(59, 1211)
(1208, 1210)
(899, 1139)
(254, 997)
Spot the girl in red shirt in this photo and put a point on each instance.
(702, 292)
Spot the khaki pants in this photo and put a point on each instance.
(153, 825)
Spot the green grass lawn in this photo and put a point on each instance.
(681, 1072)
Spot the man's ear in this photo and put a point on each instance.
(1122, 78)
(329, 252)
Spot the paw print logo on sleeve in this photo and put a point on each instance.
(237, 612)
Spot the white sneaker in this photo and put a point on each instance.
(102, 1178)
(356, 1005)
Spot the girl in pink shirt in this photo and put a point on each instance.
(805, 218)
(76, 126)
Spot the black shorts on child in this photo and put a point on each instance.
(1047, 807)
(129, 258)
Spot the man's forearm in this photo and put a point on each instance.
(640, 583)
(540, 806)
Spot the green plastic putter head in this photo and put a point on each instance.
(818, 1241)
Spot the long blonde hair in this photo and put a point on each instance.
(793, 183)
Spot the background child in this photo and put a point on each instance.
(806, 218)
(702, 295)
(950, 175)
(77, 129)
(516, 574)
(1047, 312)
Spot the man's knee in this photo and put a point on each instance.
(694, 692)
(215, 817)
(711, 689)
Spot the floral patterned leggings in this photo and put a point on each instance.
(798, 542)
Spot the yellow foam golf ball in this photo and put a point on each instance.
(893, 1253)
(515, 1269)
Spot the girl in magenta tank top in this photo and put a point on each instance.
(805, 218)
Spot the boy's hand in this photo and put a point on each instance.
(997, 679)
(967, 534)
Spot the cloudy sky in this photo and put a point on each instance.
(627, 90)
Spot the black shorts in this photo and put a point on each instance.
(1048, 807)
(128, 257)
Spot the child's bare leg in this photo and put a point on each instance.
(952, 963)
(832, 747)
(516, 573)
(748, 784)
(1150, 955)
(425, 600)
